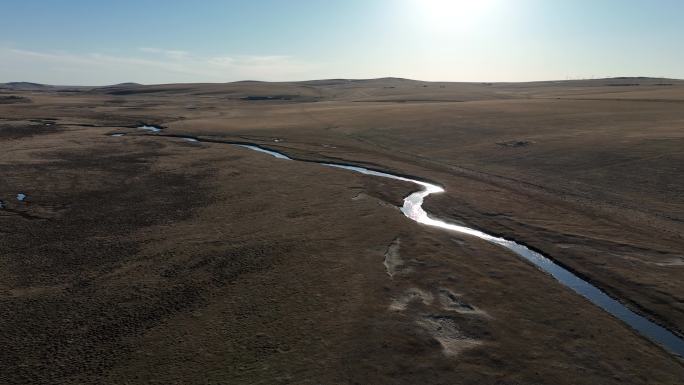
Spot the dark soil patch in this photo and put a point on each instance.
(515, 143)
(12, 99)
(24, 130)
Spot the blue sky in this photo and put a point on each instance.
(155, 41)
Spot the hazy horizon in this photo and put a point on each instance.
(349, 79)
(78, 42)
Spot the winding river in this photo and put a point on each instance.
(413, 209)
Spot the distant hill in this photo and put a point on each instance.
(259, 89)
(25, 86)
(29, 86)
(126, 84)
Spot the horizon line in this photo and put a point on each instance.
(349, 80)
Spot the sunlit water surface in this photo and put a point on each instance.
(413, 209)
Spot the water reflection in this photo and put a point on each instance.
(413, 209)
(150, 128)
(274, 154)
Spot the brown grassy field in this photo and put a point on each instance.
(150, 259)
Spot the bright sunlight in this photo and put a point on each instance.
(452, 14)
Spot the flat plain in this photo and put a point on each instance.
(147, 258)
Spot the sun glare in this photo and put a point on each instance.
(452, 14)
